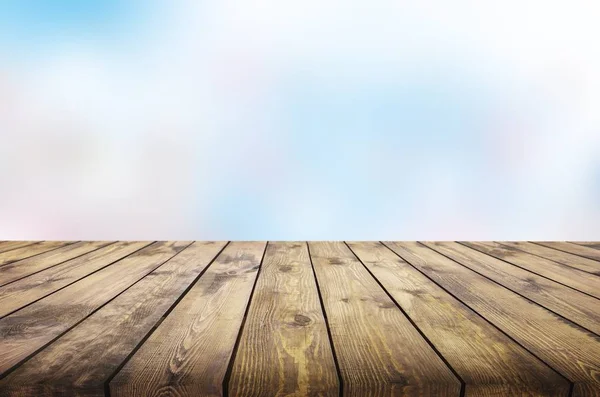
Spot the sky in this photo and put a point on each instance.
(246, 120)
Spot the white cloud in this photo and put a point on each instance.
(149, 141)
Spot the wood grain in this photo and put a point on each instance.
(489, 362)
(568, 276)
(567, 348)
(18, 270)
(142, 319)
(188, 354)
(29, 329)
(577, 307)
(80, 361)
(379, 352)
(565, 258)
(590, 252)
(29, 251)
(286, 321)
(11, 245)
(29, 289)
(591, 244)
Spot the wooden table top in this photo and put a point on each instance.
(323, 318)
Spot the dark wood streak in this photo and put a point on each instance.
(189, 352)
(575, 306)
(489, 362)
(379, 351)
(568, 276)
(286, 321)
(29, 329)
(23, 268)
(81, 361)
(567, 348)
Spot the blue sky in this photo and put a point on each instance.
(40, 19)
(316, 120)
(31, 27)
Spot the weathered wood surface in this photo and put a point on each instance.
(299, 319)
(562, 257)
(82, 360)
(29, 250)
(569, 303)
(489, 362)
(11, 245)
(25, 331)
(567, 348)
(591, 244)
(29, 289)
(189, 353)
(23, 268)
(565, 275)
(589, 249)
(286, 321)
(379, 351)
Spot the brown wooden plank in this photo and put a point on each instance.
(566, 347)
(591, 244)
(82, 360)
(23, 268)
(566, 275)
(490, 363)
(11, 245)
(30, 250)
(22, 292)
(286, 321)
(565, 258)
(29, 329)
(590, 252)
(188, 354)
(379, 351)
(577, 307)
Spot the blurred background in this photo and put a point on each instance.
(328, 119)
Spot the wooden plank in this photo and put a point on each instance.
(566, 347)
(82, 360)
(22, 292)
(379, 351)
(585, 251)
(568, 276)
(490, 363)
(591, 244)
(29, 329)
(285, 319)
(30, 250)
(569, 303)
(577, 262)
(23, 268)
(188, 354)
(11, 245)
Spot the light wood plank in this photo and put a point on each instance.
(590, 252)
(27, 330)
(286, 321)
(23, 268)
(379, 352)
(22, 292)
(11, 245)
(555, 271)
(567, 348)
(188, 354)
(577, 307)
(575, 261)
(591, 244)
(30, 250)
(79, 362)
(490, 363)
